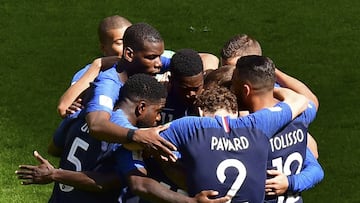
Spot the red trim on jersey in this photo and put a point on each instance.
(225, 123)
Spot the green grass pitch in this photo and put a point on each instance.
(42, 43)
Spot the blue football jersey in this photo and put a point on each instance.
(227, 155)
(287, 150)
(105, 91)
(176, 108)
(84, 153)
(79, 74)
(106, 88)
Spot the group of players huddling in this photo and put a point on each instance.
(141, 124)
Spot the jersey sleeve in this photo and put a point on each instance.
(105, 93)
(165, 60)
(308, 115)
(270, 120)
(118, 117)
(310, 175)
(79, 74)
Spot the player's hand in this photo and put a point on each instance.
(204, 197)
(277, 185)
(74, 107)
(150, 139)
(40, 174)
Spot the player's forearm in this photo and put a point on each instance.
(311, 175)
(296, 85)
(76, 89)
(297, 102)
(102, 128)
(86, 180)
(175, 172)
(149, 189)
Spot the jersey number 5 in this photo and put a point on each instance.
(74, 160)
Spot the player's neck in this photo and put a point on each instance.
(128, 107)
(220, 112)
(262, 101)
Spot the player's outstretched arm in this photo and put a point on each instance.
(204, 196)
(66, 105)
(45, 173)
(40, 174)
(152, 190)
(297, 102)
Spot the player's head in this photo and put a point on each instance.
(217, 100)
(238, 46)
(254, 76)
(143, 46)
(187, 78)
(111, 31)
(220, 77)
(146, 96)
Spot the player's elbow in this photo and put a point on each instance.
(95, 127)
(320, 173)
(61, 109)
(138, 185)
(95, 124)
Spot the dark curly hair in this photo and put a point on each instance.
(185, 63)
(142, 87)
(211, 100)
(138, 33)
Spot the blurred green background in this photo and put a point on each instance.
(43, 43)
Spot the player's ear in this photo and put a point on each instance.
(140, 108)
(128, 54)
(246, 90)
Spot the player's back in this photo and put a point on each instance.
(287, 151)
(83, 153)
(232, 162)
(228, 155)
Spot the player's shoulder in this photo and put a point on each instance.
(309, 114)
(194, 122)
(110, 73)
(79, 74)
(119, 118)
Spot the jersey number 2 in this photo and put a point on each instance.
(220, 172)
